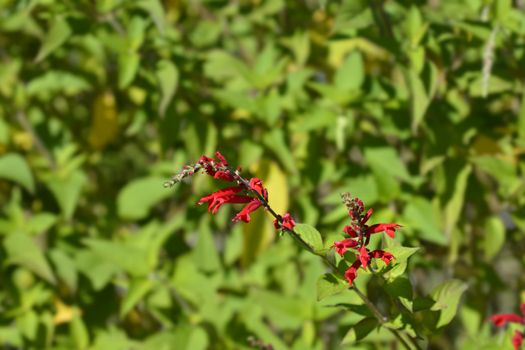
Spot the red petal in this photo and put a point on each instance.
(500, 320)
(351, 272)
(350, 231)
(517, 340)
(364, 257)
(367, 216)
(288, 222)
(244, 214)
(388, 228)
(221, 159)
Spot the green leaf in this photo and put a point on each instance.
(129, 258)
(205, 252)
(494, 236)
(360, 330)
(79, 332)
(401, 288)
(156, 11)
(351, 75)
(138, 289)
(398, 266)
(447, 296)
(65, 268)
(128, 64)
(137, 198)
(57, 35)
(328, 284)
(67, 191)
(421, 215)
(13, 167)
(22, 250)
(456, 194)
(168, 77)
(310, 236)
(275, 141)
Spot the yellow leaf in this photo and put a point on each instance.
(260, 231)
(104, 126)
(64, 313)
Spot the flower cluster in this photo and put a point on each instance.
(501, 320)
(252, 192)
(359, 237)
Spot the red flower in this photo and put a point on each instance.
(244, 214)
(287, 222)
(350, 230)
(517, 340)
(385, 256)
(225, 195)
(351, 272)
(363, 257)
(501, 320)
(342, 246)
(367, 216)
(390, 229)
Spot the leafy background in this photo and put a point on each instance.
(417, 107)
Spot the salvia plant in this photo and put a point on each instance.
(405, 316)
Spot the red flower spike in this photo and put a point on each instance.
(389, 229)
(210, 166)
(288, 222)
(244, 214)
(501, 320)
(342, 246)
(225, 195)
(517, 340)
(351, 272)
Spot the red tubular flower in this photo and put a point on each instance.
(244, 214)
(363, 257)
(225, 195)
(501, 320)
(390, 229)
(349, 230)
(517, 340)
(351, 272)
(342, 246)
(287, 222)
(257, 186)
(381, 254)
(367, 216)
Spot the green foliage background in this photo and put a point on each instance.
(417, 107)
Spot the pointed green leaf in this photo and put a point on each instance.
(447, 296)
(57, 35)
(310, 236)
(13, 167)
(168, 77)
(328, 284)
(138, 289)
(137, 198)
(22, 250)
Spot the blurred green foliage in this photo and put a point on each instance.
(417, 107)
